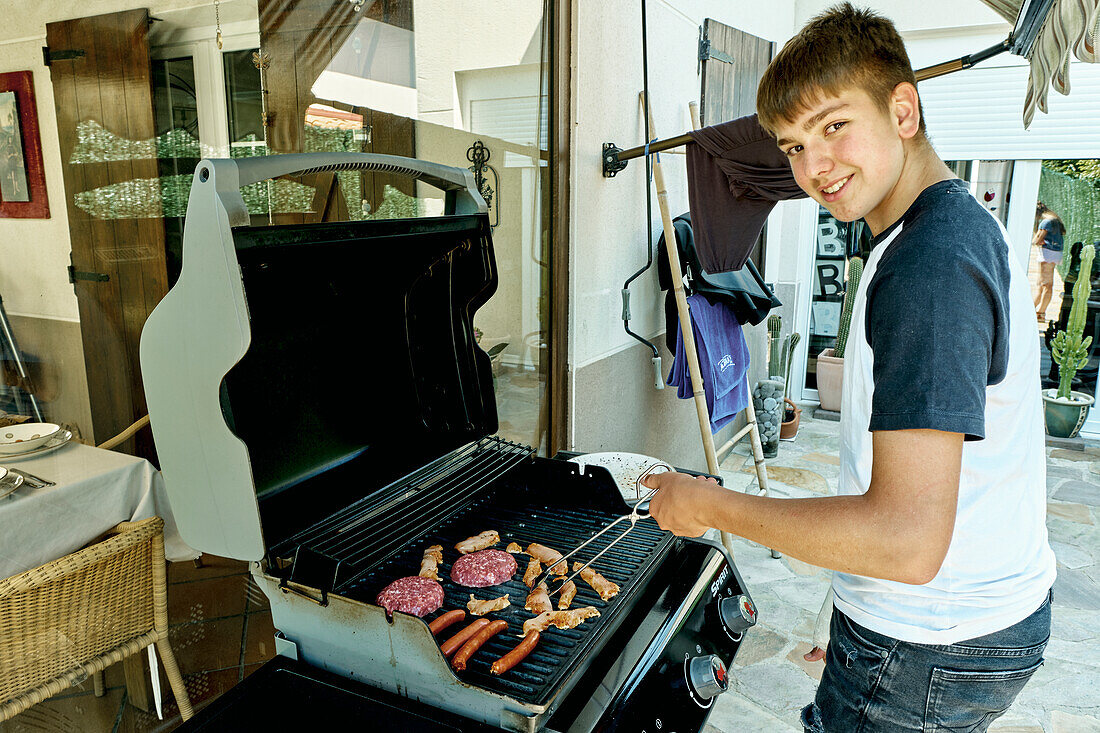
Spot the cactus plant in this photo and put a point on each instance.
(1069, 349)
(855, 272)
(788, 357)
(775, 346)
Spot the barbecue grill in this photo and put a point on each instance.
(330, 471)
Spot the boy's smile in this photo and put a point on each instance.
(852, 157)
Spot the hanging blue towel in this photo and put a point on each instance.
(723, 360)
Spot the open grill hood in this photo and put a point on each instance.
(294, 370)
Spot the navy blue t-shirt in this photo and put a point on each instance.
(1053, 240)
(937, 315)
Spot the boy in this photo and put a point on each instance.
(938, 535)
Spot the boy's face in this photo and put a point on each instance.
(847, 153)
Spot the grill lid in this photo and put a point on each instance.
(296, 369)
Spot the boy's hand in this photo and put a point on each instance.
(680, 504)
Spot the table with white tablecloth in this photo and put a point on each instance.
(95, 490)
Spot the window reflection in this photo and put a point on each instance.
(457, 84)
(835, 242)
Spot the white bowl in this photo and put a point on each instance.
(26, 436)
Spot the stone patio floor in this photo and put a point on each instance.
(771, 682)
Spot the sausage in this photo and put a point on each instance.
(517, 655)
(471, 646)
(451, 645)
(447, 619)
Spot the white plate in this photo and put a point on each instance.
(625, 468)
(62, 438)
(24, 437)
(9, 482)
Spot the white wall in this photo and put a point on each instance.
(608, 215)
(35, 252)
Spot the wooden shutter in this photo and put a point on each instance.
(732, 63)
(103, 87)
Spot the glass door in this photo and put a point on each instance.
(834, 242)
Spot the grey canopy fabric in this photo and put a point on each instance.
(1071, 27)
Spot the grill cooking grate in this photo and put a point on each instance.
(559, 526)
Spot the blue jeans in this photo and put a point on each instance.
(875, 683)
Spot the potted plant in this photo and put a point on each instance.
(792, 413)
(830, 362)
(1064, 409)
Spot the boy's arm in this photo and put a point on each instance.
(899, 530)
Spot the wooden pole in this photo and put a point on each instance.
(682, 308)
(752, 428)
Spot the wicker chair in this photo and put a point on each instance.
(71, 618)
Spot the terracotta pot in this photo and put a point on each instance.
(789, 428)
(1064, 417)
(830, 380)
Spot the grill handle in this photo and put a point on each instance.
(462, 196)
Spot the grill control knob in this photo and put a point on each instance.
(737, 613)
(707, 675)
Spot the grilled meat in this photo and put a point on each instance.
(429, 566)
(548, 556)
(538, 600)
(479, 607)
(559, 619)
(488, 538)
(600, 584)
(534, 567)
(566, 595)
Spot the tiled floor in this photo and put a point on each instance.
(220, 628)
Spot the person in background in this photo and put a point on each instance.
(1049, 238)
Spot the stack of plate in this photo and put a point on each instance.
(31, 438)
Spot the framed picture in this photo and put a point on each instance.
(22, 177)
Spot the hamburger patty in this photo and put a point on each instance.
(484, 568)
(415, 595)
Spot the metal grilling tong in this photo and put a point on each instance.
(639, 512)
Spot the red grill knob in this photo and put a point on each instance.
(707, 675)
(737, 613)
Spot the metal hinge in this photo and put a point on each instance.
(706, 52)
(75, 274)
(49, 56)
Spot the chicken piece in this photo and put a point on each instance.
(429, 566)
(488, 538)
(478, 607)
(560, 619)
(600, 584)
(538, 600)
(534, 567)
(566, 595)
(514, 548)
(548, 556)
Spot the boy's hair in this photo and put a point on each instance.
(844, 47)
